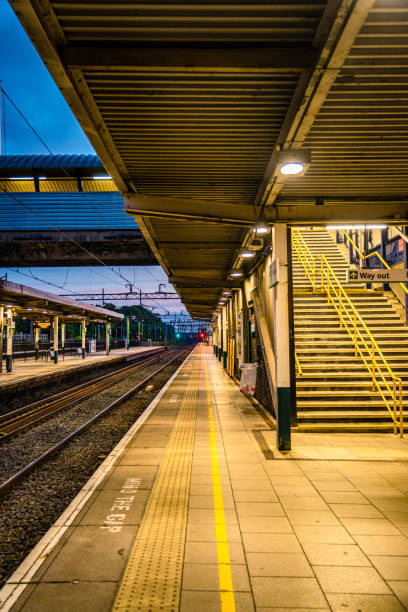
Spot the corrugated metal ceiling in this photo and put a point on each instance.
(207, 132)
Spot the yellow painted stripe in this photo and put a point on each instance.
(224, 563)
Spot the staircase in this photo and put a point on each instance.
(334, 392)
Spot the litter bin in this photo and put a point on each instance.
(248, 378)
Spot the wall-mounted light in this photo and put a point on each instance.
(236, 274)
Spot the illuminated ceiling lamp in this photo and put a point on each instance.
(260, 228)
(246, 254)
(293, 162)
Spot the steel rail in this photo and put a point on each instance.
(18, 420)
(6, 485)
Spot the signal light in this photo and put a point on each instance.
(202, 334)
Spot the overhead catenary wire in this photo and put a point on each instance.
(38, 279)
(64, 169)
(5, 95)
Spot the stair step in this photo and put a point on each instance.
(344, 415)
(323, 405)
(344, 428)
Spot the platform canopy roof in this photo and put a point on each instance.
(41, 306)
(189, 105)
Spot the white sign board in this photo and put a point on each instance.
(367, 275)
(274, 273)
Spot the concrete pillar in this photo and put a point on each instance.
(37, 341)
(406, 268)
(107, 339)
(281, 340)
(9, 342)
(55, 340)
(83, 337)
(224, 336)
(1, 336)
(63, 338)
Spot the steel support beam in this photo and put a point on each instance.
(243, 214)
(342, 28)
(189, 57)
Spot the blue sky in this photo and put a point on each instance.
(27, 81)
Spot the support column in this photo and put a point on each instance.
(9, 342)
(63, 338)
(55, 340)
(384, 238)
(37, 342)
(365, 251)
(281, 340)
(83, 337)
(291, 323)
(224, 336)
(127, 321)
(107, 339)
(1, 336)
(406, 268)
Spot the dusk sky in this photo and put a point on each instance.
(27, 81)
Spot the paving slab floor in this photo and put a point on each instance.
(213, 524)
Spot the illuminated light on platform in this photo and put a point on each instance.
(260, 228)
(292, 168)
(236, 274)
(247, 254)
(20, 178)
(354, 227)
(101, 178)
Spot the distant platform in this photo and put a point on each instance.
(32, 372)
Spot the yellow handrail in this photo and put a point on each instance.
(299, 369)
(364, 345)
(365, 257)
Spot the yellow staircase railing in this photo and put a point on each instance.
(324, 280)
(299, 370)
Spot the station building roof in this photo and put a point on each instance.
(39, 305)
(188, 106)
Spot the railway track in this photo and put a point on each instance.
(18, 420)
(15, 478)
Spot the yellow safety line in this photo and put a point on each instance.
(224, 563)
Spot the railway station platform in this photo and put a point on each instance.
(30, 371)
(196, 509)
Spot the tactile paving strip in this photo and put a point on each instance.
(152, 578)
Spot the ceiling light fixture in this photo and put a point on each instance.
(354, 227)
(236, 274)
(292, 162)
(260, 228)
(292, 168)
(247, 254)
